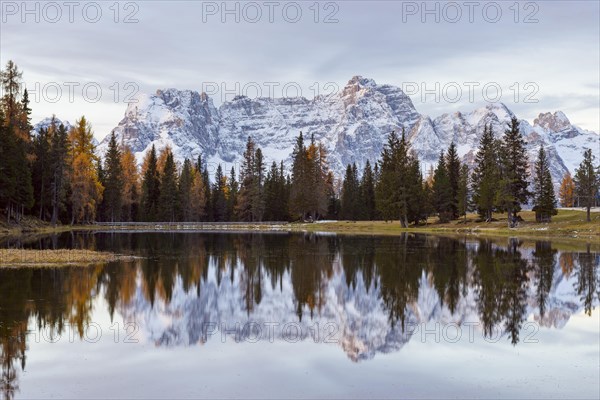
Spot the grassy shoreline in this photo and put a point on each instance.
(53, 258)
(568, 225)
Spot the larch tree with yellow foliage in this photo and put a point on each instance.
(86, 189)
(566, 192)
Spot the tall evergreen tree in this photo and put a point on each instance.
(299, 195)
(367, 189)
(544, 200)
(350, 198)
(513, 191)
(59, 168)
(233, 192)
(219, 197)
(41, 172)
(150, 187)
(186, 180)
(168, 199)
(442, 191)
(257, 192)
(463, 191)
(247, 183)
(453, 168)
(586, 182)
(386, 190)
(113, 181)
(485, 175)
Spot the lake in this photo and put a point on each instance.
(281, 315)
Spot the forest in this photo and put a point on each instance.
(57, 175)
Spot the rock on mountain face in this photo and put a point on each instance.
(353, 125)
(47, 122)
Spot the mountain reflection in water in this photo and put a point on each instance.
(366, 294)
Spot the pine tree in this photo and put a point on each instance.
(219, 197)
(367, 189)
(386, 193)
(586, 182)
(485, 175)
(59, 168)
(246, 194)
(453, 167)
(168, 199)
(86, 188)
(186, 180)
(514, 176)
(350, 198)
(150, 187)
(463, 191)
(442, 191)
(544, 201)
(18, 194)
(257, 192)
(232, 199)
(41, 171)
(113, 181)
(567, 191)
(299, 194)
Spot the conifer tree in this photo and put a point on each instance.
(198, 197)
(485, 175)
(257, 191)
(168, 199)
(453, 168)
(350, 198)
(113, 181)
(41, 171)
(131, 189)
(86, 188)
(150, 187)
(442, 191)
(233, 190)
(59, 169)
(387, 195)
(586, 183)
(246, 194)
(463, 192)
(185, 190)
(513, 185)
(299, 194)
(544, 201)
(367, 189)
(219, 197)
(566, 192)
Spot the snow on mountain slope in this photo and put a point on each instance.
(353, 124)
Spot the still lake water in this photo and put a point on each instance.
(303, 315)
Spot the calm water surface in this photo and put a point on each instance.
(296, 316)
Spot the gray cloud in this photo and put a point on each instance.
(171, 46)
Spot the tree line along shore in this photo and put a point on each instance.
(55, 177)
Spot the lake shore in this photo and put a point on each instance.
(568, 224)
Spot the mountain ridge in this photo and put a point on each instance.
(353, 124)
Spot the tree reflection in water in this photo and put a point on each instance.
(502, 281)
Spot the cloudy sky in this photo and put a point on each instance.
(87, 58)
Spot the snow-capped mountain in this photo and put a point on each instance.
(47, 122)
(353, 125)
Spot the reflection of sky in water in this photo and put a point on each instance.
(556, 355)
(563, 364)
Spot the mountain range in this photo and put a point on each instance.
(353, 124)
